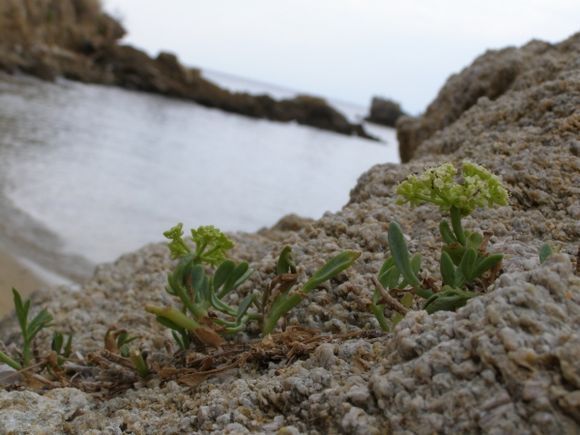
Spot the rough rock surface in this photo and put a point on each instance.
(75, 39)
(495, 73)
(505, 363)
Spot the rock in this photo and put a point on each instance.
(170, 66)
(490, 75)
(384, 112)
(507, 362)
(75, 39)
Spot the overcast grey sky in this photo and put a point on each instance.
(344, 49)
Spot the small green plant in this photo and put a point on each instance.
(277, 304)
(204, 277)
(62, 346)
(546, 252)
(465, 265)
(117, 342)
(28, 330)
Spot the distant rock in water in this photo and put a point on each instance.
(385, 112)
(77, 40)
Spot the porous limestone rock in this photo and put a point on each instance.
(507, 362)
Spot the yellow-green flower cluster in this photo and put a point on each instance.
(477, 188)
(177, 245)
(211, 244)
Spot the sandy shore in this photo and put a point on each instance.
(14, 273)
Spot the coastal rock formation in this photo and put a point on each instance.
(490, 76)
(77, 40)
(385, 112)
(504, 363)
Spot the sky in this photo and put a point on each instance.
(349, 50)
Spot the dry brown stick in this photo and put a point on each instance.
(388, 299)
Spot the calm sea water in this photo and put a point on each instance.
(90, 172)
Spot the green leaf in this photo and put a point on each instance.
(237, 277)
(181, 292)
(447, 269)
(390, 278)
(446, 233)
(456, 225)
(243, 307)
(401, 254)
(333, 267)
(176, 279)
(467, 264)
(416, 264)
(57, 342)
(197, 278)
(123, 339)
(447, 300)
(21, 310)
(285, 262)
(407, 300)
(545, 252)
(379, 313)
(173, 317)
(181, 340)
(203, 291)
(41, 321)
(222, 273)
(139, 363)
(455, 251)
(389, 262)
(222, 306)
(474, 240)
(486, 264)
(67, 351)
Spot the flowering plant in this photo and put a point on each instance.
(466, 267)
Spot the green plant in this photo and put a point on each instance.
(62, 348)
(546, 252)
(201, 293)
(276, 305)
(465, 265)
(28, 330)
(204, 277)
(117, 342)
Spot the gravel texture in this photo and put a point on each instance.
(505, 363)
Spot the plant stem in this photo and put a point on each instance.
(388, 299)
(7, 360)
(26, 354)
(456, 224)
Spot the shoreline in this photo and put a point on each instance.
(15, 273)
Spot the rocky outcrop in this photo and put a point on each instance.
(491, 75)
(385, 112)
(504, 363)
(75, 39)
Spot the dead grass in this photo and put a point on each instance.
(108, 373)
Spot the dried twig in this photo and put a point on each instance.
(388, 299)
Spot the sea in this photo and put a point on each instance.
(89, 172)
